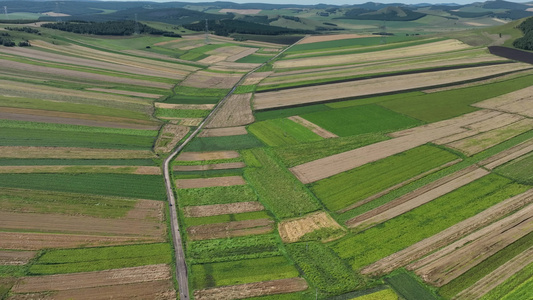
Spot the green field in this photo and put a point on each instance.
(523, 292)
(345, 44)
(123, 185)
(520, 169)
(386, 294)
(360, 119)
(207, 173)
(227, 218)
(400, 232)
(344, 189)
(216, 195)
(517, 281)
(75, 162)
(242, 271)
(254, 59)
(288, 112)
(218, 143)
(191, 95)
(101, 258)
(281, 132)
(277, 189)
(409, 287)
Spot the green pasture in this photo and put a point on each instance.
(123, 185)
(218, 143)
(400, 232)
(361, 119)
(227, 218)
(344, 189)
(207, 173)
(192, 95)
(372, 100)
(523, 292)
(206, 162)
(244, 89)
(409, 287)
(280, 132)
(520, 169)
(288, 112)
(255, 59)
(386, 294)
(180, 113)
(216, 195)
(101, 258)
(516, 282)
(242, 271)
(345, 44)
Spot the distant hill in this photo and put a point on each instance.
(389, 13)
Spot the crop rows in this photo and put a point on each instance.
(226, 218)
(281, 132)
(517, 281)
(216, 195)
(407, 286)
(234, 142)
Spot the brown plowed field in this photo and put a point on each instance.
(498, 276)
(228, 131)
(184, 106)
(255, 289)
(147, 209)
(333, 37)
(449, 235)
(519, 102)
(196, 156)
(203, 79)
(450, 262)
(142, 170)
(365, 87)
(293, 230)
(71, 153)
(408, 139)
(209, 182)
(222, 166)
(415, 199)
(230, 229)
(173, 132)
(507, 155)
(127, 93)
(236, 111)
(313, 127)
(14, 258)
(222, 209)
(76, 281)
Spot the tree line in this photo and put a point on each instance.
(108, 28)
(525, 42)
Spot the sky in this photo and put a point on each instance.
(336, 2)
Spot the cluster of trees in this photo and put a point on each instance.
(525, 42)
(227, 27)
(108, 28)
(385, 14)
(24, 29)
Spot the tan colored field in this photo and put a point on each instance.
(213, 59)
(221, 166)
(196, 156)
(373, 86)
(449, 235)
(236, 111)
(507, 155)
(209, 182)
(518, 102)
(230, 229)
(332, 37)
(127, 93)
(71, 153)
(293, 230)
(255, 289)
(222, 209)
(169, 137)
(256, 77)
(227, 131)
(204, 79)
(184, 106)
(158, 55)
(228, 66)
(240, 11)
(416, 198)
(411, 51)
(141, 170)
(76, 281)
(485, 140)
(242, 54)
(450, 262)
(184, 121)
(313, 127)
(16, 258)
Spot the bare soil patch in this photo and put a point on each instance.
(196, 156)
(293, 230)
(507, 155)
(169, 137)
(241, 11)
(203, 79)
(313, 127)
(236, 111)
(222, 166)
(147, 209)
(16, 258)
(209, 182)
(71, 153)
(222, 209)
(449, 235)
(184, 106)
(255, 289)
(75, 281)
(128, 93)
(230, 229)
(228, 131)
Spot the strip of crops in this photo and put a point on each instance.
(322, 268)
(254, 59)
(242, 271)
(227, 218)
(232, 249)
(523, 292)
(508, 286)
(123, 185)
(181, 113)
(207, 173)
(520, 169)
(96, 259)
(386, 294)
(341, 190)
(424, 221)
(372, 100)
(206, 162)
(290, 296)
(360, 120)
(288, 112)
(65, 203)
(407, 286)
(216, 195)
(275, 185)
(280, 132)
(485, 267)
(234, 142)
(75, 162)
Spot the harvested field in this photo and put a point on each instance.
(127, 93)
(313, 127)
(497, 276)
(228, 131)
(519, 102)
(222, 166)
(507, 155)
(71, 153)
(450, 262)
(198, 156)
(240, 11)
(184, 106)
(373, 86)
(212, 59)
(256, 77)
(169, 137)
(15, 258)
(203, 79)
(210, 182)
(449, 235)
(416, 198)
(184, 121)
(230, 229)
(229, 66)
(408, 139)
(222, 209)
(241, 54)
(485, 140)
(140, 170)
(293, 230)
(236, 111)
(333, 37)
(255, 289)
(76, 281)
